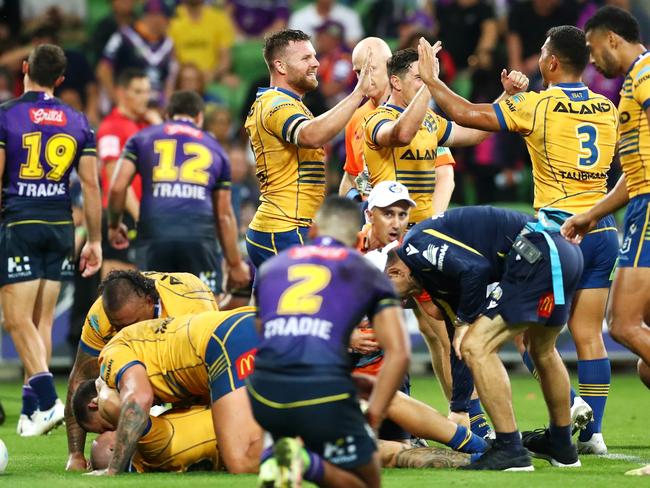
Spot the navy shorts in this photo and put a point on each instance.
(525, 292)
(599, 250)
(230, 353)
(31, 251)
(635, 250)
(264, 245)
(323, 410)
(199, 257)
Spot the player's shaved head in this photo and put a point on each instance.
(101, 450)
(380, 51)
(338, 218)
(81, 399)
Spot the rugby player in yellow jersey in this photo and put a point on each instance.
(179, 439)
(402, 136)
(127, 297)
(288, 143)
(571, 135)
(616, 49)
(192, 359)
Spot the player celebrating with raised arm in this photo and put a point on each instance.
(41, 141)
(616, 49)
(571, 135)
(185, 192)
(302, 385)
(126, 297)
(288, 143)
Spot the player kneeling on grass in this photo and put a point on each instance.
(181, 439)
(197, 359)
(454, 257)
(127, 297)
(310, 300)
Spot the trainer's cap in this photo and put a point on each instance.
(387, 193)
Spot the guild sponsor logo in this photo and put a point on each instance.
(246, 364)
(546, 305)
(183, 130)
(48, 116)
(305, 252)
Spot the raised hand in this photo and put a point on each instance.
(514, 82)
(364, 84)
(428, 61)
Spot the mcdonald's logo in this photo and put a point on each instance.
(546, 306)
(246, 364)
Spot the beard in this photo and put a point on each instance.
(303, 83)
(608, 67)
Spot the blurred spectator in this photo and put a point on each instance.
(528, 23)
(191, 78)
(336, 76)
(78, 89)
(145, 46)
(218, 122)
(308, 18)
(244, 187)
(417, 22)
(203, 35)
(6, 85)
(122, 15)
(384, 18)
(70, 13)
(467, 27)
(256, 18)
(447, 65)
(9, 20)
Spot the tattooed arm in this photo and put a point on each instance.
(85, 368)
(136, 397)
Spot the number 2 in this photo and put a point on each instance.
(589, 155)
(302, 297)
(193, 169)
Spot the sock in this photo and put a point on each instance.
(510, 441)
(30, 401)
(560, 435)
(531, 367)
(313, 466)
(594, 377)
(477, 419)
(266, 453)
(43, 386)
(466, 441)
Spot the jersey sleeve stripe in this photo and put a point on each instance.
(373, 136)
(123, 369)
(287, 124)
(295, 130)
(445, 136)
(130, 156)
(500, 117)
(89, 349)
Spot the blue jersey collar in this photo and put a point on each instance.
(576, 85)
(263, 90)
(638, 58)
(395, 107)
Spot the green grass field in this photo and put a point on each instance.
(39, 462)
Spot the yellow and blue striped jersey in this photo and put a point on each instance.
(634, 131)
(570, 133)
(292, 179)
(414, 165)
(173, 352)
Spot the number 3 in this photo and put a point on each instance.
(589, 154)
(302, 297)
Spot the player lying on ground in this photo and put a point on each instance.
(127, 297)
(200, 359)
(455, 257)
(180, 439)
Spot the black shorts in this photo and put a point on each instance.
(324, 411)
(197, 257)
(109, 253)
(525, 292)
(31, 251)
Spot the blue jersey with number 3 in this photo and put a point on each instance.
(310, 298)
(43, 140)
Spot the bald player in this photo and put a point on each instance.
(377, 94)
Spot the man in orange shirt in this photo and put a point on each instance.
(354, 138)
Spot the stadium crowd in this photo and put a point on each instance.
(199, 187)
